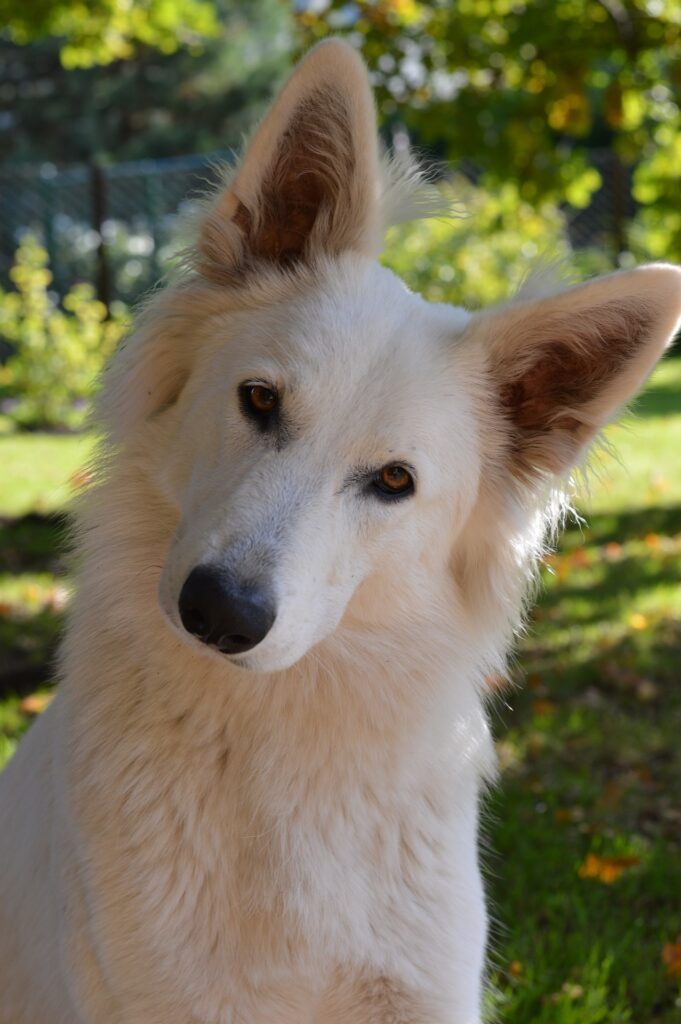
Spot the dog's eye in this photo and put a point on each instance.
(394, 481)
(258, 401)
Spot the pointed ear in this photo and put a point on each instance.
(563, 366)
(309, 180)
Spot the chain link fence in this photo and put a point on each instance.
(114, 226)
(117, 226)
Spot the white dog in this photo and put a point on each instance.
(320, 503)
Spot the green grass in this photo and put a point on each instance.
(39, 472)
(36, 469)
(590, 752)
(584, 865)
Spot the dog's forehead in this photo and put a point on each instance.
(365, 365)
(358, 325)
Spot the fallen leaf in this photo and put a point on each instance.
(35, 703)
(612, 794)
(671, 957)
(544, 707)
(658, 483)
(607, 869)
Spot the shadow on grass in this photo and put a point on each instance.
(591, 763)
(621, 581)
(620, 527)
(28, 639)
(32, 542)
(28, 645)
(659, 399)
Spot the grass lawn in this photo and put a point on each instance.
(584, 866)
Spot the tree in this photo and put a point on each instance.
(101, 31)
(152, 104)
(525, 88)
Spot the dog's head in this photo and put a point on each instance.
(335, 449)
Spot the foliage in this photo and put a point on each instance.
(656, 231)
(524, 88)
(101, 31)
(58, 350)
(480, 254)
(153, 104)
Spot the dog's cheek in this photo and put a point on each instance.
(172, 466)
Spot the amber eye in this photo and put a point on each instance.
(259, 402)
(394, 481)
(262, 399)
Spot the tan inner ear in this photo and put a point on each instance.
(552, 381)
(570, 369)
(308, 185)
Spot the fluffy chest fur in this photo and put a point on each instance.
(286, 830)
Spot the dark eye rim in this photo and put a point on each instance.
(262, 417)
(388, 493)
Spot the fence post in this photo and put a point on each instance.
(98, 193)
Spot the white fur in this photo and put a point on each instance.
(289, 836)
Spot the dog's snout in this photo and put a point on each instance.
(221, 611)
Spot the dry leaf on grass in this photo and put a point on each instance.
(671, 957)
(35, 703)
(607, 869)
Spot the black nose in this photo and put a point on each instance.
(221, 611)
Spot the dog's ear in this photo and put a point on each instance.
(563, 366)
(309, 180)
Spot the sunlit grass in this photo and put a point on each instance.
(591, 755)
(647, 444)
(37, 469)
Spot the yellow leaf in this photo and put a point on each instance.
(638, 621)
(607, 869)
(671, 957)
(35, 703)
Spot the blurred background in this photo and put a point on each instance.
(558, 127)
